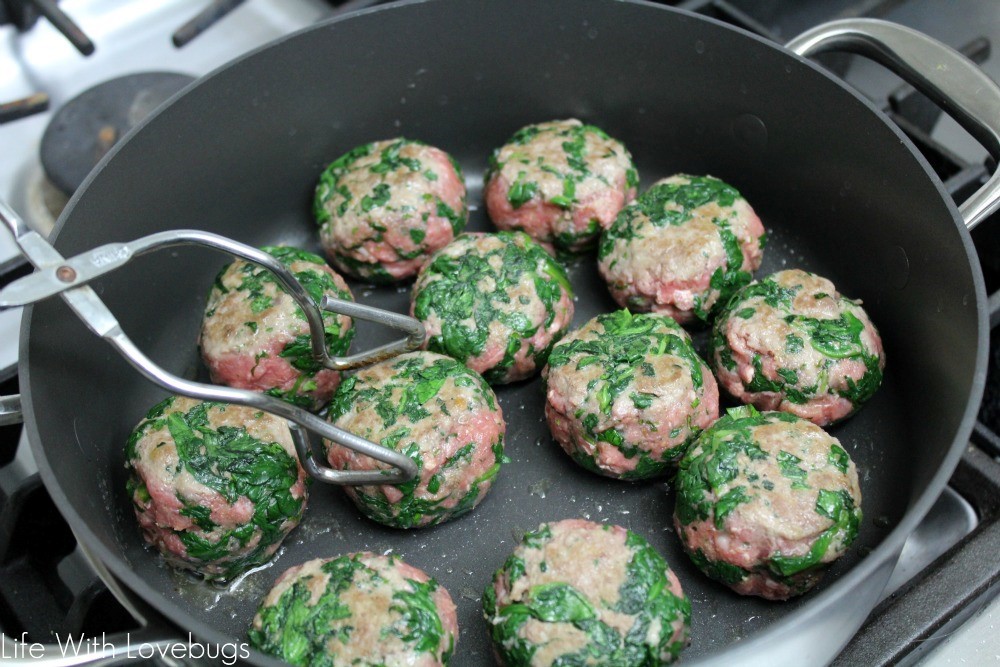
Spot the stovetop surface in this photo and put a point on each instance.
(128, 43)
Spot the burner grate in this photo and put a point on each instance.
(58, 592)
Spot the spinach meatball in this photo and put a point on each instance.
(765, 501)
(561, 182)
(436, 411)
(581, 593)
(384, 207)
(627, 393)
(684, 246)
(358, 609)
(497, 302)
(255, 336)
(215, 487)
(791, 342)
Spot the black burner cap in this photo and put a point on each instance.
(83, 130)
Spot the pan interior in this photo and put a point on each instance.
(239, 155)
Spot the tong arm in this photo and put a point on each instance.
(57, 275)
(89, 307)
(299, 419)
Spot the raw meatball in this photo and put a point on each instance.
(682, 247)
(255, 336)
(581, 593)
(384, 207)
(765, 501)
(626, 394)
(436, 411)
(561, 182)
(215, 487)
(497, 302)
(790, 342)
(358, 609)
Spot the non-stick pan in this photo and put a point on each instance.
(840, 190)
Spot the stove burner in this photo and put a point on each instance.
(86, 127)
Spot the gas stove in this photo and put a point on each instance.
(940, 600)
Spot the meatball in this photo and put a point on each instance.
(581, 593)
(255, 336)
(626, 394)
(215, 487)
(765, 501)
(497, 302)
(790, 342)
(436, 411)
(385, 207)
(682, 247)
(561, 182)
(358, 609)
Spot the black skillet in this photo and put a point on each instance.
(840, 190)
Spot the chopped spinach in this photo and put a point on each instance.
(521, 190)
(401, 401)
(718, 459)
(304, 629)
(379, 196)
(230, 461)
(722, 571)
(789, 465)
(334, 204)
(420, 623)
(672, 204)
(260, 287)
(645, 595)
(622, 346)
(838, 458)
(837, 506)
(579, 152)
(834, 338)
(713, 461)
(471, 294)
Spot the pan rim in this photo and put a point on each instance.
(884, 553)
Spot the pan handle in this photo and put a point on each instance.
(951, 80)
(10, 410)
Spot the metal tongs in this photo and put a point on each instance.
(69, 278)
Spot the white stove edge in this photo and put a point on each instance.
(130, 36)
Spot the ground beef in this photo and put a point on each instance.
(626, 394)
(215, 487)
(765, 501)
(497, 302)
(384, 207)
(436, 411)
(790, 342)
(581, 593)
(358, 609)
(561, 182)
(684, 246)
(255, 336)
